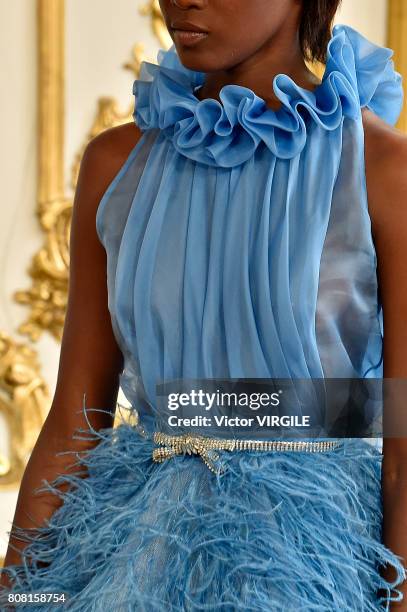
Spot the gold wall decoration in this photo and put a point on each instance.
(397, 40)
(47, 296)
(49, 268)
(24, 396)
(24, 401)
(157, 22)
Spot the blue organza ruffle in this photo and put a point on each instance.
(358, 74)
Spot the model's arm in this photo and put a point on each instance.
(386, 172)
(90, 360)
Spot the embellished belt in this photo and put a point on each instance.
(205, 447)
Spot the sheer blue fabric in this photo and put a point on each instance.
(238, 237)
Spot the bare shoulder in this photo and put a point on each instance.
(103, 157)
(386, 165)
(110, 149)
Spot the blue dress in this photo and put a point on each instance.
(239, 245)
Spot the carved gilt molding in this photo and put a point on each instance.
(24, 401)
(47, 296)
(49, 269)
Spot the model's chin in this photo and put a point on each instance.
(198, 59)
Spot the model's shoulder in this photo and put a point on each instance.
(385, 145)
(102, 159)
(386, 163)
(112, 146)
(104, 156)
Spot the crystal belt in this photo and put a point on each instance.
(205, 447)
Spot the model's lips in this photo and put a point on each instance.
(188, 33)
(188, 38)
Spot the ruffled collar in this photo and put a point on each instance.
(358, 74)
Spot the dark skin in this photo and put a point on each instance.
(386, 158)
(241, 48)
(246, 43)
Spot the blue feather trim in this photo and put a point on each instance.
(276, 531)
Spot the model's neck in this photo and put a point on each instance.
(281, 54)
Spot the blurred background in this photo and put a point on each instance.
(68, 68)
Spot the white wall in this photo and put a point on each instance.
(100, 34)
(367, 16)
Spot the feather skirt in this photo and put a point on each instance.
(283, 531)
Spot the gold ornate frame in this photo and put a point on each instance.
(49, 268)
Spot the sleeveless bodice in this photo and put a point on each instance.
(238, 237)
